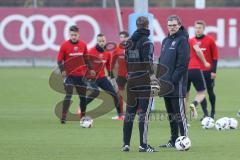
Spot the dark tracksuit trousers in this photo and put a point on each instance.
(140, 104)
(175, 107)
(210, 83)
(107, 86)
(80, 86)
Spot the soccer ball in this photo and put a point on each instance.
(238, 114)
(207, 123)
(183, 143)
(222, 123)
(233, 123)
(86, 122)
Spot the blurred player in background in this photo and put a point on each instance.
(209, 48)
(118, 61)
(98, 59)
(72, 66)
(195, 74)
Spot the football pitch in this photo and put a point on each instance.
(29, 129)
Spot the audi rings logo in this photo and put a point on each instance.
(48, 25)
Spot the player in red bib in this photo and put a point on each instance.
(195, 74)
(98, 59)
(118, 61)
(210, 52)
(72, 66)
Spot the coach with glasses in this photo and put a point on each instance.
(175, 56)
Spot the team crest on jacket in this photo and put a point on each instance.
(100, 55)
(173, 43)
(75, 49)
(199, 43)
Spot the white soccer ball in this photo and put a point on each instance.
(207, 123)
(238, 113)
(222, 124)
(86, 122)
(233, 123)
(182, 143)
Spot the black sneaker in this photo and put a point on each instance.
(63, 118)
(170, 144)
(147, 149)
(126, 148)
(212, 116)
(63, 121)
(203, 117)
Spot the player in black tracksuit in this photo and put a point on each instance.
(139, 67)
(175, 56)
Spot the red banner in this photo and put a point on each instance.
(39, 32)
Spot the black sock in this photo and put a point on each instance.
(212, 99)
(66, 105)
(195, 103)
(204, 107)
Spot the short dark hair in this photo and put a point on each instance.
(142, 22)
(100, 35)
(174, 17)
(201, 22)
(124, 33)
(74, 28)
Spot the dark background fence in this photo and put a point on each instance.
(110, 3)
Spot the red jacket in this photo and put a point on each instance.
(98, 61)
(72, 57)
(119, 56)
(210, 51)
(194, 62)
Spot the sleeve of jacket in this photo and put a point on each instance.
(60, 58)
(147, 55)
(182, 60)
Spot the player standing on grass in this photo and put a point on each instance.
(139, 63)
(209, 48)
(72, 66)
(195, 74)
(97, 60)
(118, 60)
(175, 56)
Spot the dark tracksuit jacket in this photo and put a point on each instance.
(175, 56)
(139, 67)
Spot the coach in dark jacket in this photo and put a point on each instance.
(175, 56)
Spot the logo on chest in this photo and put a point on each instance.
(172, 46)
(199, 43)
(75, 49)
(100, 58)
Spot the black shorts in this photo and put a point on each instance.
(121, 82)
(74, 81)
(196, 77)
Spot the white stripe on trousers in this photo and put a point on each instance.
(183, 116)
(145, 132)
(203, 79)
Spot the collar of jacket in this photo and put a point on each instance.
(73, 42)
(99, 48)
(181, 31)
(175, 34)
(139, 33)
(200, 37)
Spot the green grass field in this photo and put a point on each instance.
(29, 129)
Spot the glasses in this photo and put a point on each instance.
(172, 25)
